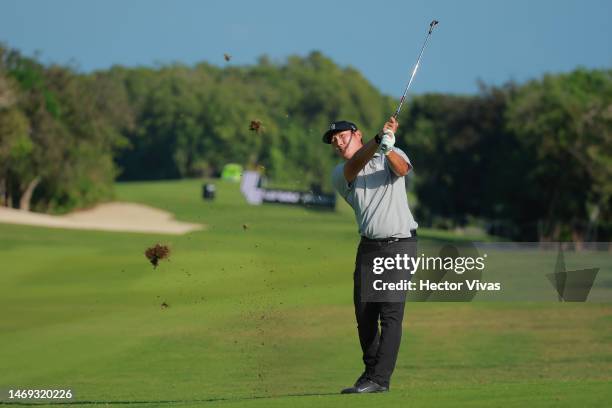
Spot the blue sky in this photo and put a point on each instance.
(494, 41)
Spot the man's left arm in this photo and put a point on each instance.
(398, 164)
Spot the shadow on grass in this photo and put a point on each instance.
(24, 403)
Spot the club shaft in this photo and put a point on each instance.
(414, 70)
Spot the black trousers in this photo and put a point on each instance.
(379, 344)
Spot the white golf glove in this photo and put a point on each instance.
(387, 142)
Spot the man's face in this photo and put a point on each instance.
(343, 143)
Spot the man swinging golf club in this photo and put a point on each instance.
(371, 180)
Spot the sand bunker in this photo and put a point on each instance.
(116, 216)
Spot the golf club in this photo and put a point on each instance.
(416, 67)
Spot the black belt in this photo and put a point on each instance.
(413, 234)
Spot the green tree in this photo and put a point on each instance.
(565, 123)
(66, 159)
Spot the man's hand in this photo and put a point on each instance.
(392, 124)
(387, 142)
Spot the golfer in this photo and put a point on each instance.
(371, 180)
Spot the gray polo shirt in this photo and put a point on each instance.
(378, 197)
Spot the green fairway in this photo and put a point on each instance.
(260, 314)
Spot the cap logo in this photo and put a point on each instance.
(332, 126)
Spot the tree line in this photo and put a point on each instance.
(528, 161)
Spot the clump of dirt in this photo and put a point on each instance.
(245, 226)
(227, 57)
(157, 252)
(256, 126)
(164, 305)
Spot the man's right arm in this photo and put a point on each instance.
(363, 155)
(354, 165)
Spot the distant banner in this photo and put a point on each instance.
(255, 194)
